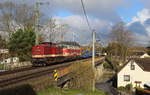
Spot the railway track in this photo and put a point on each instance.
(17, 70)
(27, 68)
(23, 77)
(4, 83)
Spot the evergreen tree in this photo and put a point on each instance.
(2, 43)
(21, 42)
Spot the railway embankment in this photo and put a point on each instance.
(37, 79)
(82, 74)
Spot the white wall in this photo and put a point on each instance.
(145, 56)
(9, 60)
(135, 75)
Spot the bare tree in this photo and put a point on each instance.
(25, 15)
(62, 30)
(6, 16)
(14, 16)
(122, 39)
(121, 35)
(54, 32)
(52, 29)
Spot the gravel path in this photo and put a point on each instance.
(107, 88)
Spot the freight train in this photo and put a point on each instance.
(48, 53)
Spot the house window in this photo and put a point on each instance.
(126, 77)
(132, 66)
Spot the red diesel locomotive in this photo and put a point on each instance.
(49, 53)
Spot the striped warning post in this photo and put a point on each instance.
(55, 75)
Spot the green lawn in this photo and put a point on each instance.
(1, 66)
(6, 67)
(56, 91)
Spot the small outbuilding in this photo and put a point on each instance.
(145, 56)
(10, 60)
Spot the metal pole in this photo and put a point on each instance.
(93, 58)
(73, 37)
(37, 13)
(62, 30)
(37, 22)
(93, 50)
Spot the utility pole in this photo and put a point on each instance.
(73, 36)
(37, 13)
(37, 19)
(61, 38)
(93, 49)
(93, 57)
(62, 27)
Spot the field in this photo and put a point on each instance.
(57, 91)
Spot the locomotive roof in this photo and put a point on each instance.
(70, 43)
(48, 43)
(64, 43)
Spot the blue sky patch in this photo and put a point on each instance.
(64, 13)
(128, 12)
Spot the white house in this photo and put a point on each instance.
(9, 60)
(135, 72)
(145, 56)
(4, 51)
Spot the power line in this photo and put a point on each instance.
(84, 11)
(93, 43)
(98, 39)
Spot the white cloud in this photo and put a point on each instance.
(101, 14)
(142, 16)
(104, 9)
(140, 25)
(79, 27)
(141, 39)
(79, 22)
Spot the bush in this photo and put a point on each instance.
(128, 87)
(121, 88)
(107, 65)
(83, 76)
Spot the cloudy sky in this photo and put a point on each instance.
(102, 14)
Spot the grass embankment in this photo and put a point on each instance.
(1, 66)
(57, 91)
(4, 67)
